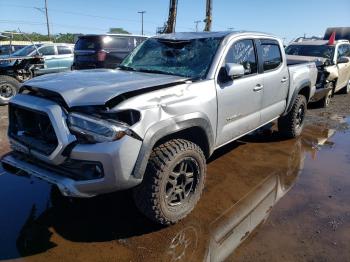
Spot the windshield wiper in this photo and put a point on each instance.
(127, 68)
(153, 71)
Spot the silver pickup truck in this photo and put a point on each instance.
(152, 123)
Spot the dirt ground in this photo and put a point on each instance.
(266, 199)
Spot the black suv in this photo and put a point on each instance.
(103, 51)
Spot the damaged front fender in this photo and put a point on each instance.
(333, 72)
(190, 122)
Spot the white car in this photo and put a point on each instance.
(335, 57)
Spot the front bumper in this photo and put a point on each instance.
(66, 185)
(117, 158)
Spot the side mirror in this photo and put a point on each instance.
(343, 60)
(234, 70)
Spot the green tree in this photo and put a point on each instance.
(36, 37)
(33, 36)
(64, 38)
(118, 30)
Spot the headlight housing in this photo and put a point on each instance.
(95, 129)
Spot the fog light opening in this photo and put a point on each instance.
(92, 171)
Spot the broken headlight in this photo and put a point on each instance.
(95, 129)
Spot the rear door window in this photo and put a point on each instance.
(47, 50)
(271, 55)
(64, 50)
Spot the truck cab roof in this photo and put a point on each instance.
(199, 35)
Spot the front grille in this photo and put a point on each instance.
(33, 129)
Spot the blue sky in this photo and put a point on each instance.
(286, 19)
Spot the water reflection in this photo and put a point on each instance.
(230, 229)
(245, 180)
(235, 224)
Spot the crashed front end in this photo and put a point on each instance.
(323, 83)
(83, 155)
(21, 68)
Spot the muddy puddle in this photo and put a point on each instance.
(266, 199)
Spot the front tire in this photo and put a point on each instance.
(292, 124)
(9, 87)
(346, 89)
(325, 102)
(173, 181)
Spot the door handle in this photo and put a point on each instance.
(258, 87)
(284, 79)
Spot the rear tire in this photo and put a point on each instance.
(9, 87)
(173, 181)
(292, 124)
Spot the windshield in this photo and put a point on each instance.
(188, 58)
(25, 51)
(324, 51)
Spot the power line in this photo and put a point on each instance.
(91, 15)
(82, 14)
(25, 22)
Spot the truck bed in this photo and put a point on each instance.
(297, 60)
(299, 71)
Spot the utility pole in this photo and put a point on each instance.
(197, 22)
(170, 25)
(142, 12)
(47, 21)
(208, 17)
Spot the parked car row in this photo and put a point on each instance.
(91, 51)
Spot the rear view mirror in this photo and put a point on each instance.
(234, 70)
(343, 60)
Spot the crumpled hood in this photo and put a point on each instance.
(96, 87)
